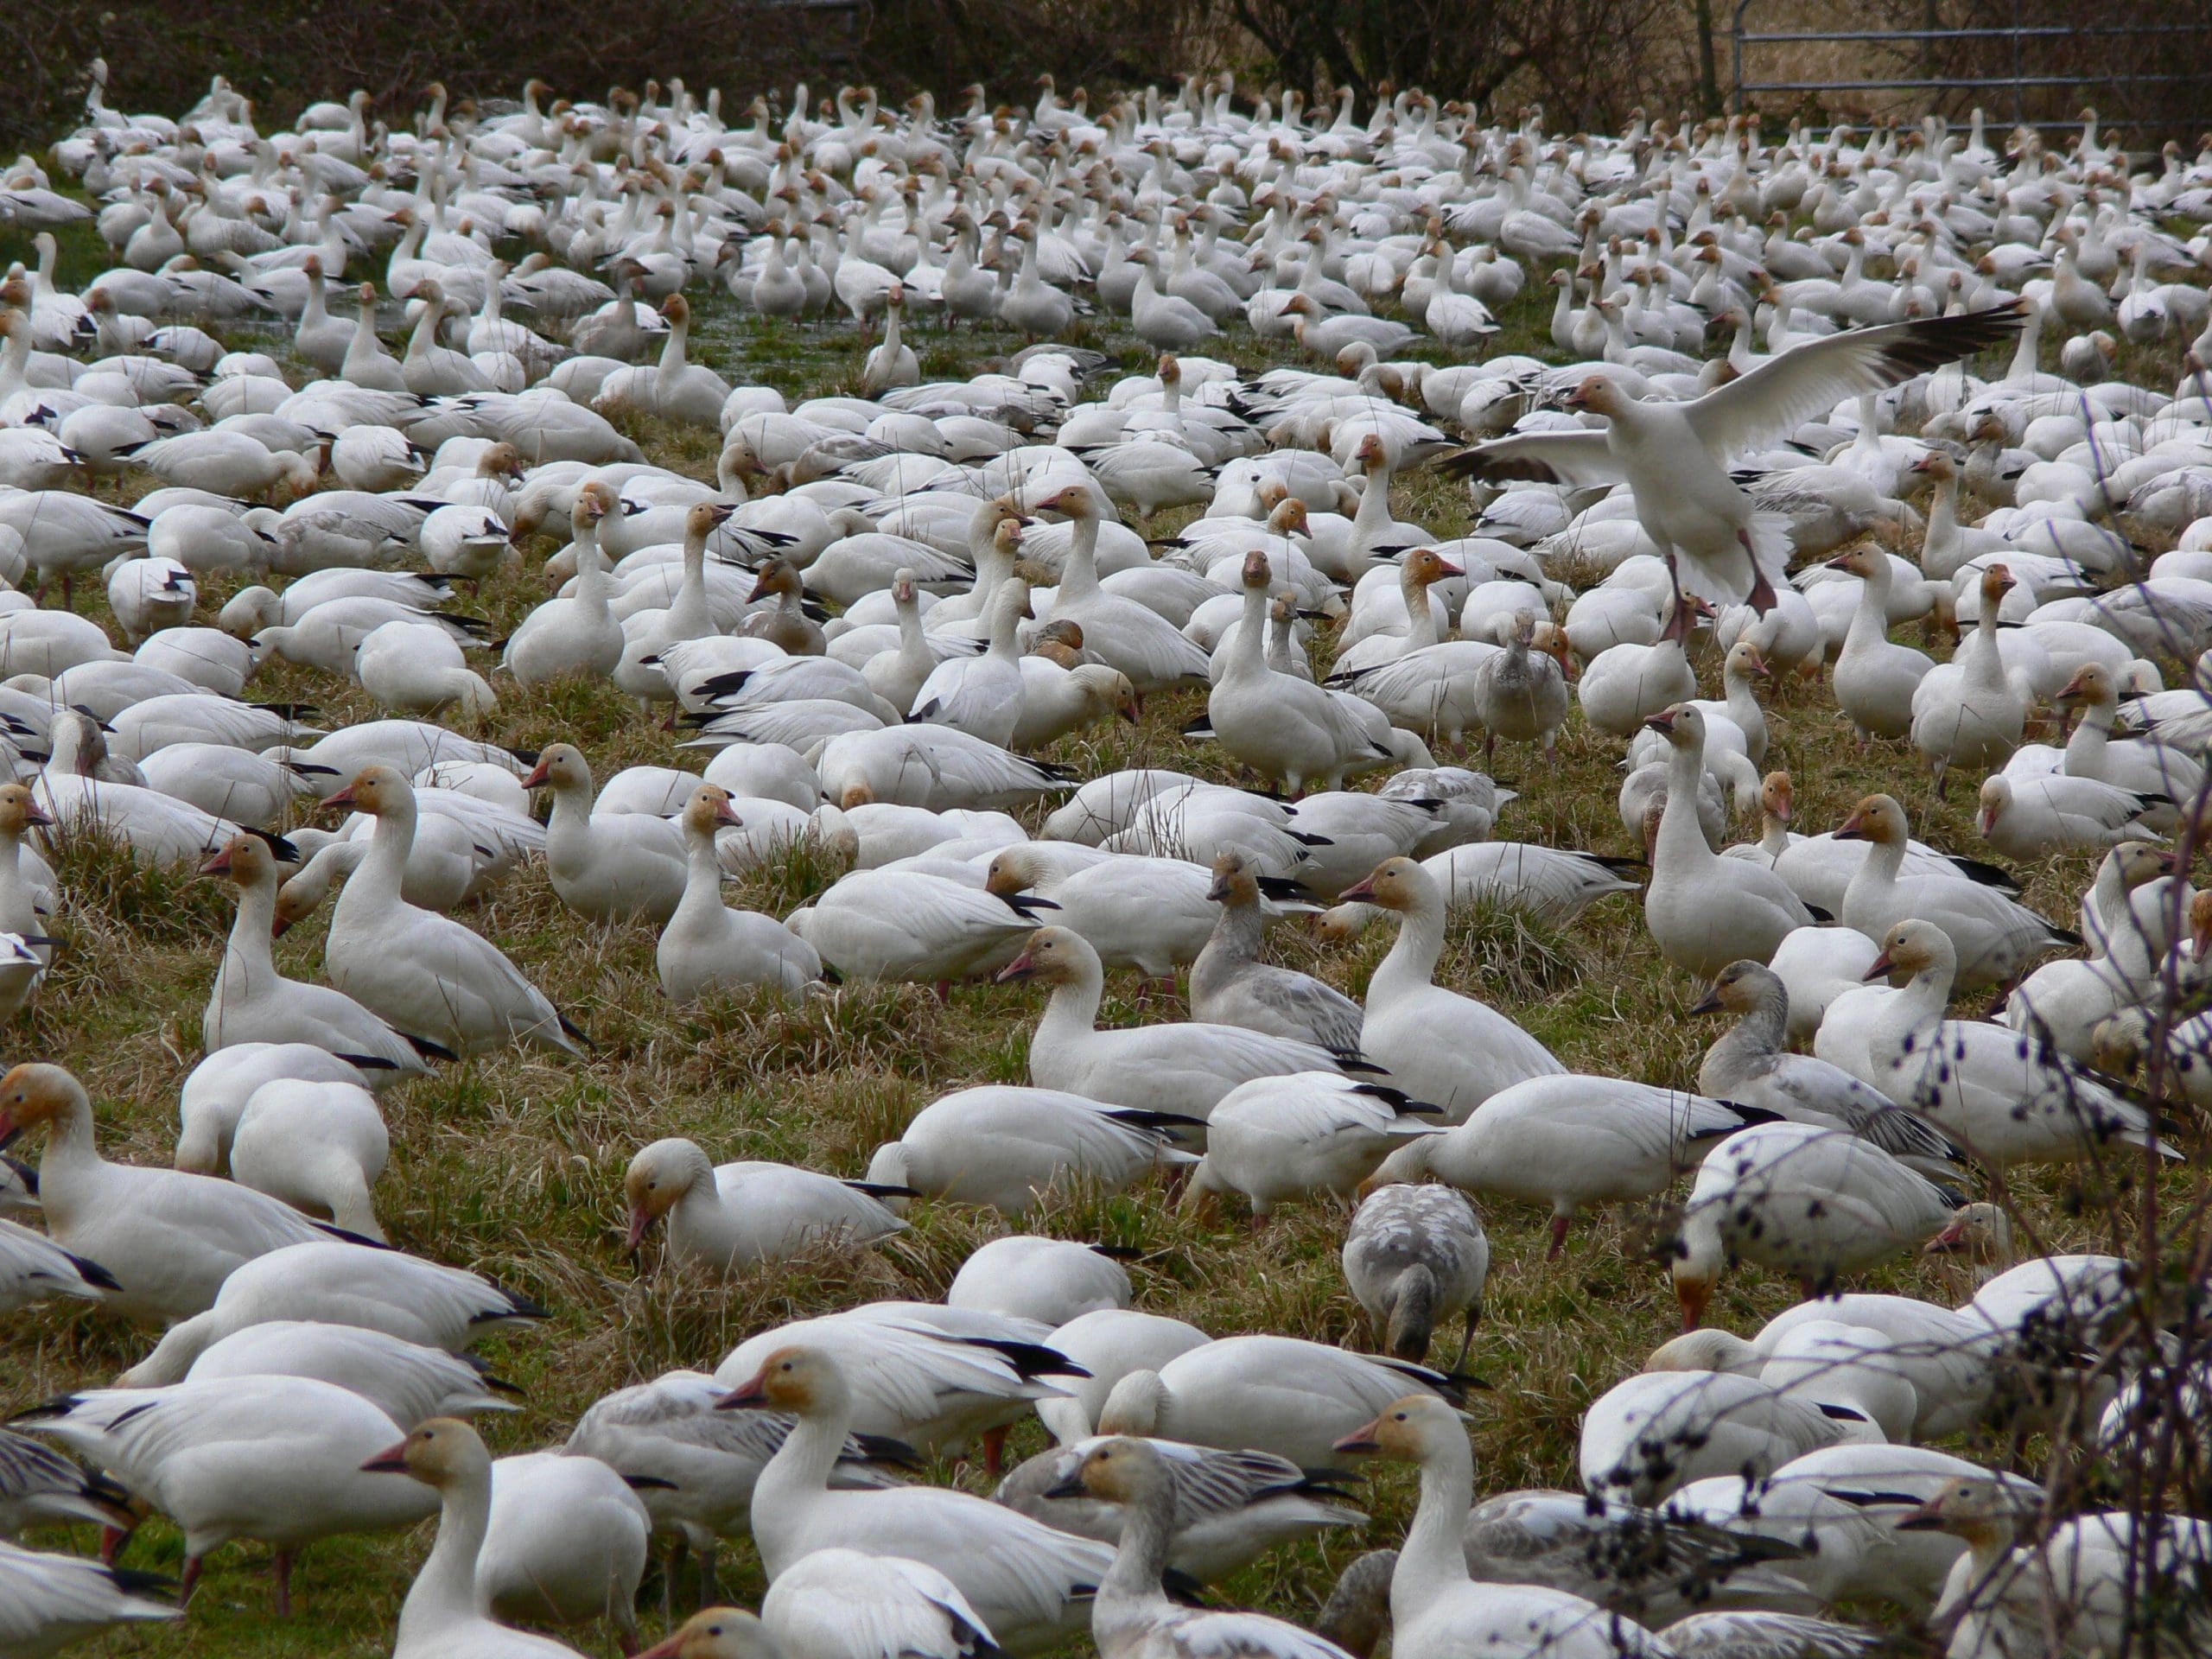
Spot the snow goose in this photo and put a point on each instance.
(628, 866)
(565, 1543)
(417, 668)
(319, 1147)
(1570, 1140)
(1436, 1608)
(915, 927)
(1518, 697)
(1147, 913)
(1285, 728)
(51, 1602)
(1050, 1281)
(405, 1380)
(982, 695)
(1876, 681)
(252, 1003)
(1119, 632)
(420, 971)
(1704, 911)
(1969, 711)
(932, 767)
(390, 1291)
(33, 1267)
(1131, 1615)
(1230, 1507)
(2033, 817)
(168, 1236)
(1278, 1394)
(1993, 936)
(1552, 884)
(694, 1465)
(444, 1616)
(1182, 1069)
(1437, 1045)
(1414, 1256)
(1026, 1581)
(274, 1459)
(1817, 1203)
(1230, 986)
(840, 1603)
(1311, 1133)
(577, 635)
(156, 828)
(1624, 686)
(1655, 1432)
(707, 945)
(1750, 1066)
(2006, 1097)
(1674, 457)
(1008, 1147)
(731, 1217)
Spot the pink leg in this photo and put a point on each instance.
(188, 1579)
(994, 1452)
(283, 1566)
(1763, 598)
(1558, 1238)
(112, 1540)
(944, 992)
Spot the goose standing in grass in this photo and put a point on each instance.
(1968, 712)
(1311, 1133)
(420, 971)
(1876, 681)
(444, 1616)
(1230, 986)
(1183, 1069)
(170, 1238)
(731, 1217)
(1414, 1256)
(607, 867)
(1437, 1045)
(252, 1003)
(1131, 1617)
(1704, 911)
(709, 946)
(1012, 1149)
(1674, 457)
(577, 635)
(1027, 1583)
(1817, 1203)
(273, 1458)
(1436, 1609)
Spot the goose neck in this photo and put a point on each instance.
(1141, 1558)
(446, 1587)
(1079, 573)
(1072, 1009)
(248, 951)
(1681, 837)
(1411, 963)
(1435, 1557)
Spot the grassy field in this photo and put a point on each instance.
(513, 1166)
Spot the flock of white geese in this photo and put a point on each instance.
(1798, 399)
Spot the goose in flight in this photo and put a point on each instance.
(1675, 456)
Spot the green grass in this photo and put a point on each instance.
(514, 1164)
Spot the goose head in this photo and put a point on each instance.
(1681, 724)
(2090, 685)
(375, 791)
(37, 1093)
(1706, 1351)
(1744, 662)
(1012, 870)
(677, 309)
(1981, 1509)
(1396, 884)
(19, 810)
(594, 502)
(709, 811)
(1936, 466)
(1071, 501)
(562, 768)
(1777, 797)
(777, 578)
(1288, 518)
(1740, 988)
(1914, 947)
(439, 1453)
(659, 1177)
(1877, 818)
(1053, 956)
(717, 1633)
(797, 1379)
(1108, 691)
(1996, 582)
(1861, 561)
(1258, 575)
(1596, 395)
(1409, 1430)
(1982, 1233)
(247, 860)
(1992, 804)
(704, 519)
(1424, 567)
(1119, 1470)
(1235, 882)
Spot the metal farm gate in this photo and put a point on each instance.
(2144, 67)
